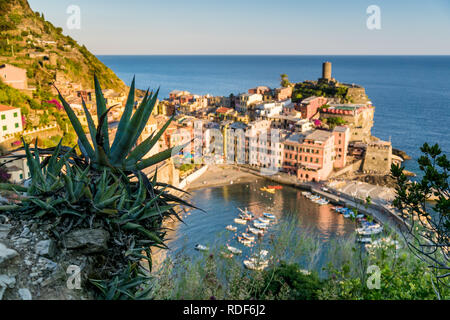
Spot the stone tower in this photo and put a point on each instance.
(326, 71)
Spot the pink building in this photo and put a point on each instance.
(14, 76)
(316, 156)
(309, 106)
(341, 141)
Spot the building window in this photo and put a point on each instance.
(15, 114)
(3, 117)
(21, 176)
(5, 128)
(16, 125)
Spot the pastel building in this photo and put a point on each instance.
(14, 76)
(309, 155)
(341, 141)
(310, 106)
(10, 120)
(247, 99)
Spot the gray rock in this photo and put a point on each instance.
(25, 232)
(46, 248)
(87, 240)
(47, 264)
(5, 283)
(4, 230)
(25, 294)
(6, 253)
(21, 241)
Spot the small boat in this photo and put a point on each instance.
(267, 190)
(269, 216)
(240, 221)
(255, 231)
(254, 265)
(306, 193)
(368, 231)
(275, 187)
(259, 225)
(200, 247)
(248, 237)
(364, 239)
(231, 228)
(244, 241)
(234, 250)
(266, 221)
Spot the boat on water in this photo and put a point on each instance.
(269, 216)
(254, 265)
(266, 221)
(321, 201)
(275, 187)
(244, 241)
(248, 236)
(260, 225)
(265, 189)
(306, 193)
(255, 231)
(370, 230)
(200, 247)
(245, 217)
(231, 228)
(234, 250)
(240, 221)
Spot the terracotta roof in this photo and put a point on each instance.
(6, 108)
(223, 110)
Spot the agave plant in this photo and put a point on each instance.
(104, 186)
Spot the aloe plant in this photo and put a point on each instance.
(104, 186)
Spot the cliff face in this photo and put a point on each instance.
(28, 41)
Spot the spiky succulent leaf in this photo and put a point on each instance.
(101, 110)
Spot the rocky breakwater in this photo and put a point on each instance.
(35, 266)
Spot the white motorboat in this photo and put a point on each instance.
(200, 247)
(255, 231)
(255, 265)
(266, 221)
(259, 225)
(240, 221)
(234, 250)
(244, 241)
(231, 228)
(248, 237)
(269, 216)
(370, 230)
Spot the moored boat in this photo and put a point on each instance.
(240, 221)
(231, 228)
(200, 247)
(248, 236)
(269, 216)
(255, 231)
(234, 250)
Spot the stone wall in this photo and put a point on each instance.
(378, 157)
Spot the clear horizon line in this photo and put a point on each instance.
(270, 54)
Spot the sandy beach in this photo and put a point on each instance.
(221, 175)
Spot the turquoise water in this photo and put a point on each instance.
(411, 93)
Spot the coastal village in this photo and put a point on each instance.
(317, 137)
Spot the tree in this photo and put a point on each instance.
(285, 81)
(428, 223)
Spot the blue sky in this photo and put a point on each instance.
(323, 27)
